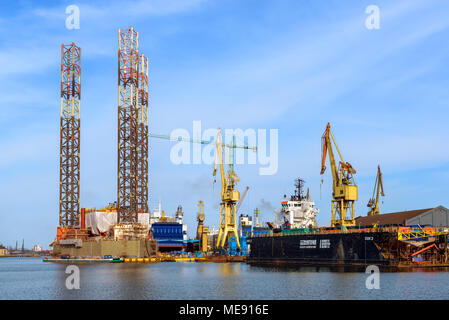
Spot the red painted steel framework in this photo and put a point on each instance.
(142, 136)
(69, 173)
(132, 180)
(128, 60)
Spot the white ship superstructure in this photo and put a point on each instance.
(298, 212)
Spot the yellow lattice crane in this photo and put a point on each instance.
(229, 193)
(344, 189)
(373, 203)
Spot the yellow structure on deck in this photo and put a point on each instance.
(204, 240)
(410, 235)
(373, 203)
(202, 232)
(344, 189)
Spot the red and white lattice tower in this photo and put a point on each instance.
(69, 173)
(128, 117)
(142, 136)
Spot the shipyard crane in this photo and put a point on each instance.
(179, 138)
(373, 203)
(229, 193)
(344, 189)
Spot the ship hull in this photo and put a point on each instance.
(343, 249)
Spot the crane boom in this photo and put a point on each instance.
(344, 189)
(179, 138)
(327, 147)
(241, 199)
(219, 153)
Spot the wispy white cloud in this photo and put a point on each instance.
(113, 9)
(308, 72)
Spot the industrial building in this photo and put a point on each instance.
(3, 251)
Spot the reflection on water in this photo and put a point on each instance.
(128, 277)
(30, 278)
(203, 269)
(229, 269)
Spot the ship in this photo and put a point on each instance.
(169, 232)
(295, 240)
(297, 212)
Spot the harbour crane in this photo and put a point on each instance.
(344, 189)
(373, 203)
(229, 195)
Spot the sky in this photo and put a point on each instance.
(292, 65)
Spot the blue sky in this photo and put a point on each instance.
(287, 65)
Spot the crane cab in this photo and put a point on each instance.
(232, 196)
(347, 192)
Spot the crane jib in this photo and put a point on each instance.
(179, 138)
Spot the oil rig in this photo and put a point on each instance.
(121, 228)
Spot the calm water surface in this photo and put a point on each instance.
(30, 278)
